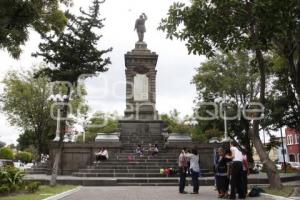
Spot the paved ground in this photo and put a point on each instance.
(143, 193)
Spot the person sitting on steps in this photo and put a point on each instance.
(155, 150)
(101, 155)
(139, 150)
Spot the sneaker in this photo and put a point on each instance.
(184, 192)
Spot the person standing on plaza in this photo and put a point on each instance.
(195, 169)
(236, 183)
(222, 179)
(182, 163)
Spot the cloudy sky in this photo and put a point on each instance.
(175, 68)
(106, 92)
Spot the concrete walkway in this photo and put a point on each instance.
(143, 193)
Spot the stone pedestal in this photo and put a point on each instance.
(140, 83)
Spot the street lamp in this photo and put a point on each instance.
(85, 122)
(59, 100)
(191, 123)
(223, 100)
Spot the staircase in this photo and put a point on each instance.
(39, 168)
(143, 170)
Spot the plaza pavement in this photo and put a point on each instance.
(144, 193)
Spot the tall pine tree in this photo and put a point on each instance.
(72, 54)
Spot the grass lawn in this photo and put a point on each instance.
(286, 191)
(44, 192)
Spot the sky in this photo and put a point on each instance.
(175, 68)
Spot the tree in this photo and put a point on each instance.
(174, 124)
(233, 74)
(6, 153)
(18, 17)
(2, 144)
(25, 103)
(207, 26)
(73, 53)
(24, 157)
(101, 123)
(282, 104)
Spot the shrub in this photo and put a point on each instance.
(33, 187)
(12, 177)
(24, 157)
(4, 189)
(6, 153)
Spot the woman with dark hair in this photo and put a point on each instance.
(236, 172)
(222, 174)
(195, 169)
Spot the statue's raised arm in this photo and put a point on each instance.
(140, 26)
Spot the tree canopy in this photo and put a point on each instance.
(25, 103)
(18, 17)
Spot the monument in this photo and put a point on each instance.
(140, 78)
(140, 126)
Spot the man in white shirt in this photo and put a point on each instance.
(236, 172)
(195, 169)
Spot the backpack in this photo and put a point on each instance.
(255, 191)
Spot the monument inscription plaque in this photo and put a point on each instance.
(140, 92)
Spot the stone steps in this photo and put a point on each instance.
(138, 160)
(144, 167)
(80, 174)
(37, 171)
(136, 163)
(153, 170)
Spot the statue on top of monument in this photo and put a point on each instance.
(140, 26)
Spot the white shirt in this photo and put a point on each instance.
(238, 156)
(105, 153)
(194, 161)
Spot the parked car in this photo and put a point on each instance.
(4, 163)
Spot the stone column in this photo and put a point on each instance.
(140, 83)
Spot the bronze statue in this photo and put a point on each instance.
(140, 26)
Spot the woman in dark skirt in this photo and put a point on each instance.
(222, 174)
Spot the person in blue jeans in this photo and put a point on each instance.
(195, 169)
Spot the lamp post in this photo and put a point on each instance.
(84, 127)
(191, 123)
(225, 120)
(59, 100)
(283, 150)
(222, 100)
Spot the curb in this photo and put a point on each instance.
(64, 194)
(274, 196)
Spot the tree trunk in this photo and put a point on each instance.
(58, 154)
(272, 173)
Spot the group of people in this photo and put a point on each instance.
(189, 162)
(231, 169)
(152, 150)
